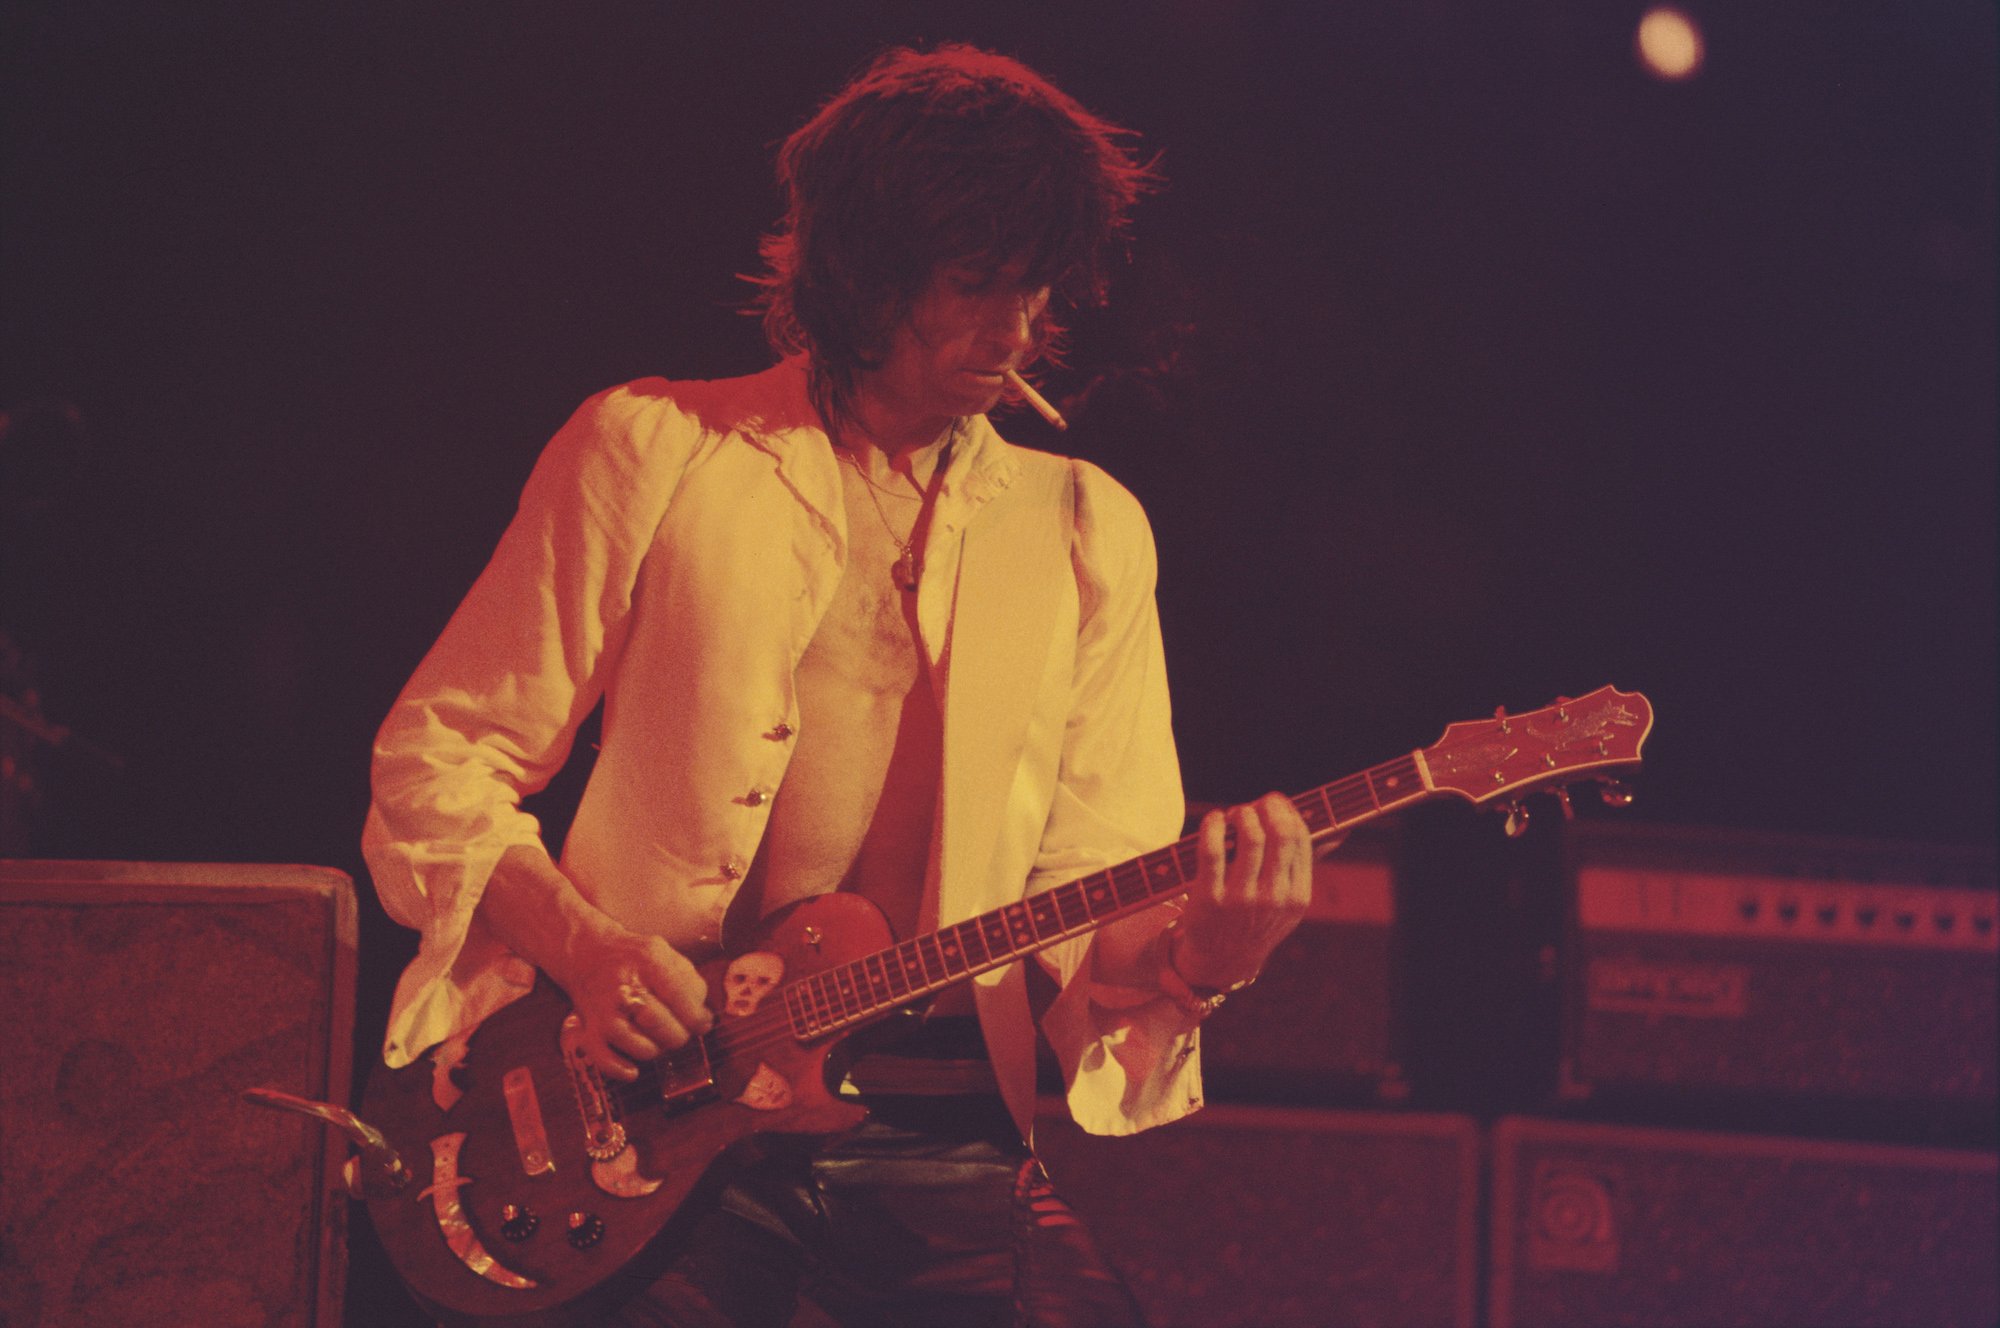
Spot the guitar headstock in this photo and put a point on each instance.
(1508, 755)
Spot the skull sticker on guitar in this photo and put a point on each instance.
(748, 980)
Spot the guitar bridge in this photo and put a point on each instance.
(603, 1133)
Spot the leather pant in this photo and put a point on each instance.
(931, 1214)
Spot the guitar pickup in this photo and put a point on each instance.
(685, 1078)
(524, 1110)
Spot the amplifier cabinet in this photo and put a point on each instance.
(1324, 1014)
(1266, 1217)
(1733, 964)
(1598, 1226)
(139, 1000)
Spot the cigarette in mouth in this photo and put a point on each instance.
(1035, 399)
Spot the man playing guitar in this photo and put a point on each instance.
(846, 639)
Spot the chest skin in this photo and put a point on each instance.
(857, 808)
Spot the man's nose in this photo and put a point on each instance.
(1011, 319)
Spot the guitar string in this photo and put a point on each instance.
(773, 1026)
(871, 1004)
(767, 1029)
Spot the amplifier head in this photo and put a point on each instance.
(1729, 963)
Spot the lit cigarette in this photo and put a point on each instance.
(1036, 399)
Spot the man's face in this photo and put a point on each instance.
(968, 327)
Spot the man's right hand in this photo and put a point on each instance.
(637, 995)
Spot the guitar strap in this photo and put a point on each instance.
(1014, 587)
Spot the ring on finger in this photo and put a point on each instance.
(632, 996)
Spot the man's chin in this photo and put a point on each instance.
(976, 403)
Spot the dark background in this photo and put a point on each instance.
(1462, 364)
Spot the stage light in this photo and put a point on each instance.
(1669, 44)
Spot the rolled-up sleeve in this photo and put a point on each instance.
(1128, 1053)
(492, 711)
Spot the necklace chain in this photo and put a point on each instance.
(905, 572)
(851, 460)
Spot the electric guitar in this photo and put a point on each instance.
(544, 1179)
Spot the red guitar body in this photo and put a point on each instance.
(560, 1228)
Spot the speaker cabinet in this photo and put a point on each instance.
(1262, 1217)
(1724, 964)
(1597, 1226)
(139, 999)
(1323, 1018)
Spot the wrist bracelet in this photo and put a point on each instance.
(1201, 1002)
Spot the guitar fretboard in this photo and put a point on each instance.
(860, 990)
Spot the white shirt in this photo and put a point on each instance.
(673, 552)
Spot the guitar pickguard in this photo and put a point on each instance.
(457, 1231)
(620, 1177)
(766, 1091)
(748, 980)
(449, 1055)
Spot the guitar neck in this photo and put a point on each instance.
(854, 993)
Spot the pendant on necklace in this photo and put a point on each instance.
(905, 571)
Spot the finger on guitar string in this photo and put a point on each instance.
(1253, 882)
(1211, 855)
(1245, 877)
(675, 990)
(636, 997)
(646, 1027)
(1288, 854)
(631, 1032)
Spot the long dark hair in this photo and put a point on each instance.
(933, 158)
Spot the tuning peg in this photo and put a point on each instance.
(1562, 800)
(1614, 793)
(1516, 823)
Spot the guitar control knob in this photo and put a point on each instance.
(518, 1223)
(585, 1229)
